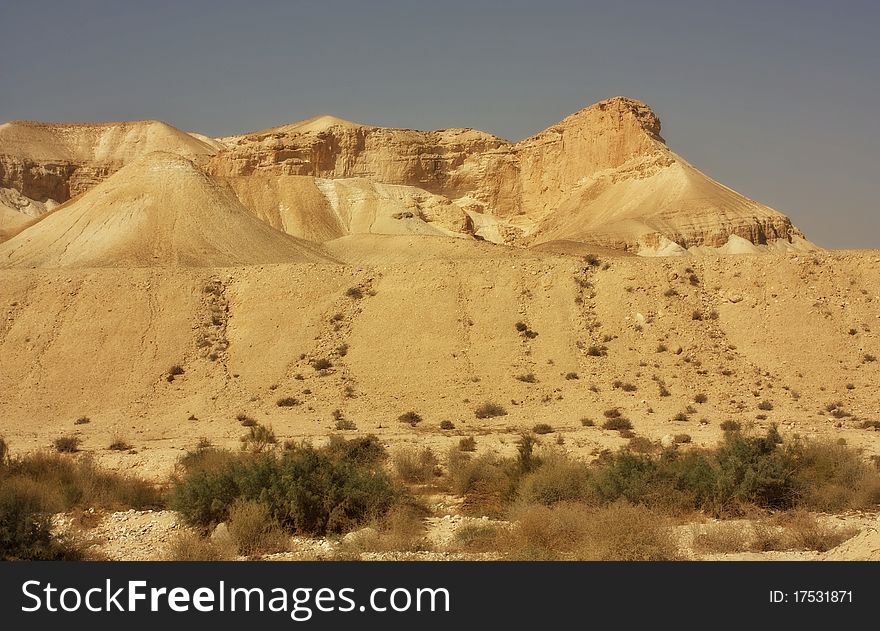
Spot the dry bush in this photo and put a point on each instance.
(730, 426)
(119, 444)
(767, 538)
(468, 443)
(490, 410)
(483, 481)
(527, 378)
(447, 424)
(721, 538)
(345, 424)
(287, 402)
(642, 445)
(617, 423)
(188, 546)
(805, 532)
(66, 444)
(568, 531)
(415, 465)
(475, 537)
(254, 530)
(259, 438)
(402, 529)
(557, 479)
(413, 418)
(542, 428)
(832, 477)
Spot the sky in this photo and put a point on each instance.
(778, 100)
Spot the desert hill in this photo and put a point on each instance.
(159, 210)
(603, 177)
(48, 163)
(433, 329)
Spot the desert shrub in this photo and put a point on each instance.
(612, 413)
(119, 444)
(527, 378)
(867, 358)
(306, 490)
(804, 532)
(176, 370)
(573, 531)
(287, 402)
(355, 293)
(670, 292)
(592, 260)
(721, 538)
(696, 315)
(617, 423)
(415, 465)
(490, 410)
(188, 546)
(364, 451)
(680, 439)
(345, 424)
(571, 376)
(253, 528)
(831, 477)
(66, 444)
(765, 405)
(700, 398)
(82, 420)
(26, 526)
(521, 327)
(476, 537)
(867, 424)
(542, 428)
(557, 479)
(597, 351)
(321, 364)
(588, 422)
(730, 426)
(259, 438)
(486, 482)
(447, 424)
(681, 417)
(413, 418)
(642, 445)
(468, 443)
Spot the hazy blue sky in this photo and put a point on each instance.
(779, 100)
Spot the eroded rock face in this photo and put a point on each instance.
(602, 176)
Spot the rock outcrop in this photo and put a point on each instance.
(602, 177)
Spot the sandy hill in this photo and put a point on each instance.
(46, 164)
(434, 331)
(159, 210)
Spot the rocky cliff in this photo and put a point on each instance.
(602, 176)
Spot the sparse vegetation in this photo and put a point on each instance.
(412, 418)
(344, 424)
(700, 398)
(467, 444)
(259, 438)
(447, 424)
(287, 402)
(527, 378)
(67, 444)
(82, 420)
(415, 465)
(490, 410)
(730, 426)
(597, 351)
(617, 423)
(571, 376)
(765, 405)
(355, 293)
(321, 364)
(542, 428)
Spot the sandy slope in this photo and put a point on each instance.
(159, 210)
(435, 334)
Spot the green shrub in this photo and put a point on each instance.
(307, 490)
